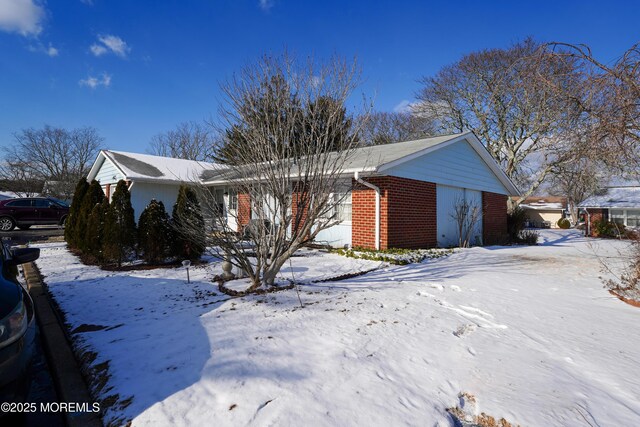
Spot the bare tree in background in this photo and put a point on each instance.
(189, 141)
(610, 100)
(53, 158)
(289, 168)
(576, 181)
(505, 97)
(385, 127)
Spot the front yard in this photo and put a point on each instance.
(530, 331)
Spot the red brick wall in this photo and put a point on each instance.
(494, 218)
(407, 213)
(412, 213)
(244, 210)
(363, 211)
(597, 215)
(299, 206)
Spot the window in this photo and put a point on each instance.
(343, 208)
(617, 216)
(633, 218)
(233, 200)
(42, 203)
(24, 203)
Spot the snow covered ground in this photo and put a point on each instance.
(530, 331)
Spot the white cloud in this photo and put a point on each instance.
(52, 51)
(21, 16)
(403, 106)
(266, 5)
(40, 48)
(94, 82)
(109, 43)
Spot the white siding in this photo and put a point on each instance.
(456, 165)
(142, 193)
(108, 173)
(447, 226)
(337, 236)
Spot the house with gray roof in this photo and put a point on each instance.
(398, 195)
(619, 204)
(148, 176)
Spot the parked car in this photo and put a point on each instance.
(26, 212)
(17, 325)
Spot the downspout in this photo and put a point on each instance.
(588, 233)
(356, 176)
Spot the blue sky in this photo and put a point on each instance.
(135, 68)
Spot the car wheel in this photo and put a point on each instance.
(63, 221)
(24, 227)
(6, 224)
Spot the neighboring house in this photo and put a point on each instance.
(149, 177)
(544, 211)
(619, 204)
(416, 184)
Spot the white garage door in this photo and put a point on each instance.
(447, 225)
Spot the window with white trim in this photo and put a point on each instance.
(343, 207)
(633, 217)
(617, 216)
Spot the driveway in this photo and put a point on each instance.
(38, 233)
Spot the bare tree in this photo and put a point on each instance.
(505, 97)
(576, 181)
(466, 214)
(610, 100)
(385, 127)
(56, 157)
(291, 181)
(189, 140)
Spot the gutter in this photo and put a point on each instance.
(356, 176)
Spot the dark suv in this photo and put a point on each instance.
(17, 326)
(31, 211)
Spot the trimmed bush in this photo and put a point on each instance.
(516, 219)
(528, 237)
(92, 197)
(74, 210)
(120, 226)
(153, 233)
(564, 223)
(607, 229)
(94, 234)
(188, 225)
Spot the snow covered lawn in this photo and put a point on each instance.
(530, 331)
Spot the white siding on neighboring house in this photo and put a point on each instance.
(457, 165)
(108, 173)
(142, 193)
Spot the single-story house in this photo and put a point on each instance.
(149, 177)
(397, 195)
(544, 211)
(402, 195)
(620, 204)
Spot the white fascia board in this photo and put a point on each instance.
(97, 164)
(345, 172)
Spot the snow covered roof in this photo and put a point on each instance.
(614, 197)
(543, 206)
(544, 203)
(147, 167)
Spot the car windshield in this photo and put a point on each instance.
(60, 202)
